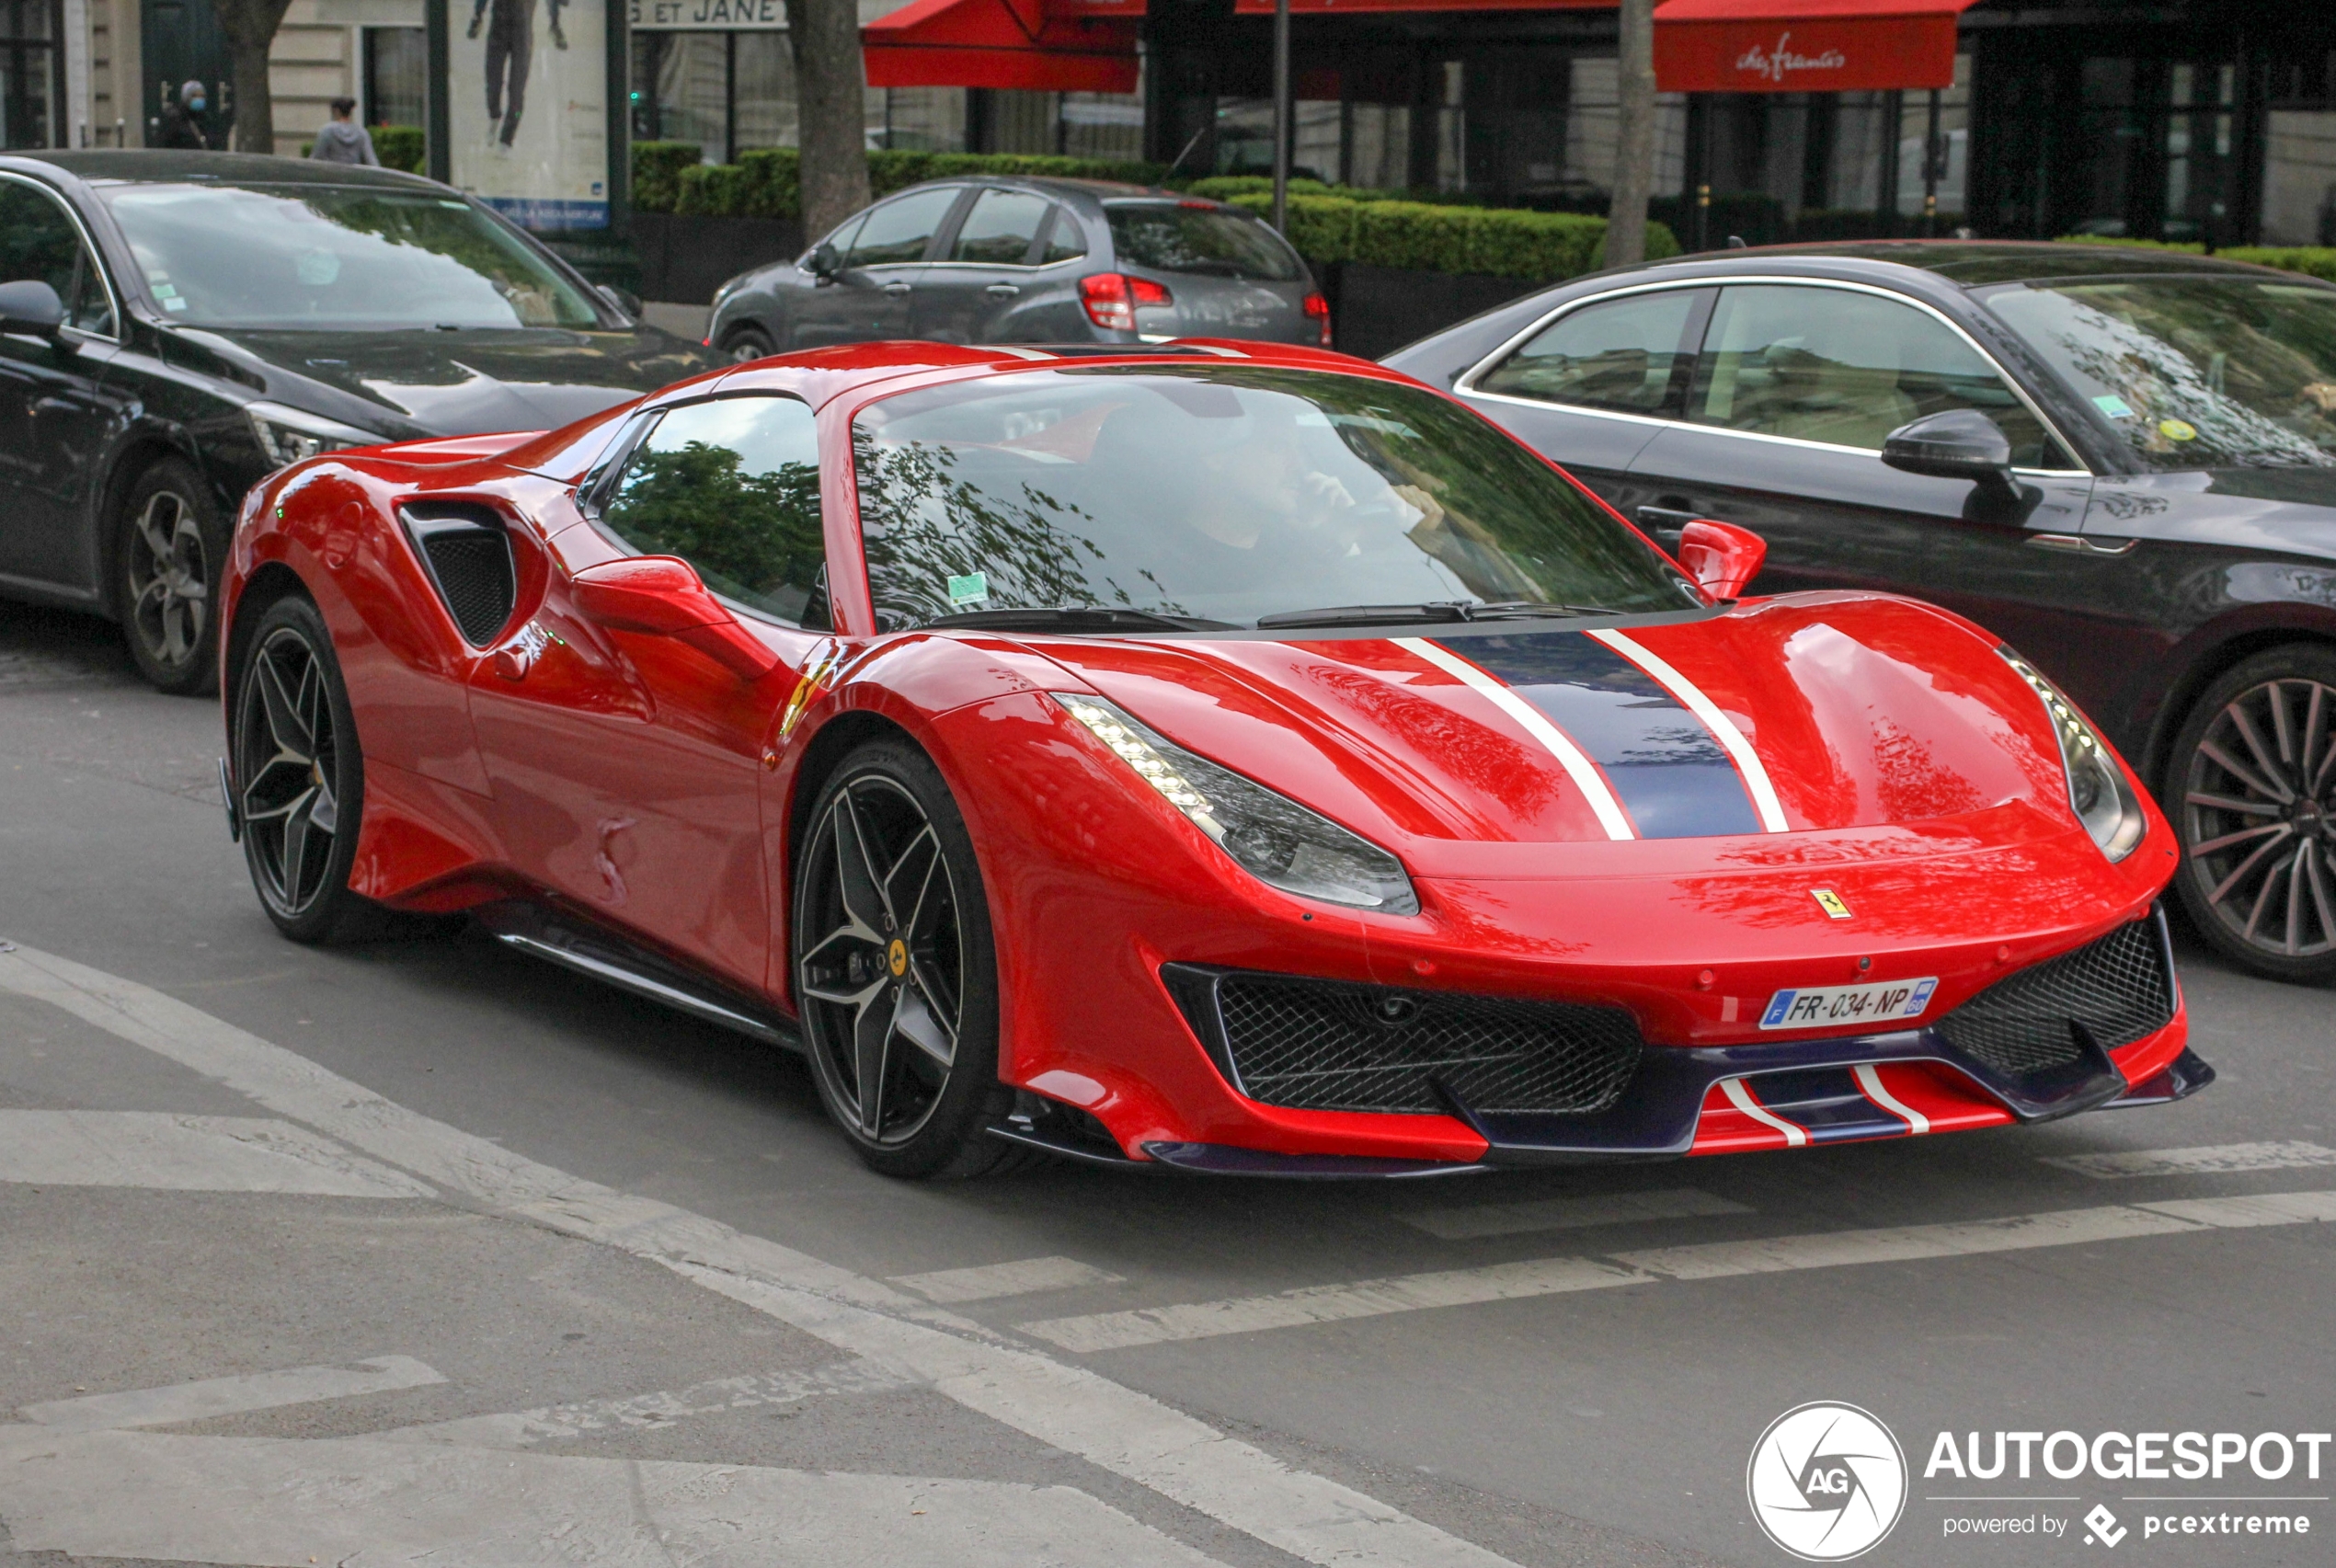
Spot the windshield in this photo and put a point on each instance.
(338, 258)
(2194, 372)
(1166, 237)
(1225, 493)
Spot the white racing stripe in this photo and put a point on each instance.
(1182, 1458)
(170, 1405)
(1871, 1081)
(1583, 773)
(2206, 1161)
(1747, 761)
(1741, 1098)
(179, 1154)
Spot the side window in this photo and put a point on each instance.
(38, 241)
(1066, 239)
(1000, 229)
(1847, 368)
(900, 229)
(840, 241)
(1620, 355)
(732, 487)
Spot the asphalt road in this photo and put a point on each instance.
(422, 1252)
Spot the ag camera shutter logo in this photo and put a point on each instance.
(1826, 1482)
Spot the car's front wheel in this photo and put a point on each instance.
(298, 775)
(2250, 786)
(170, 545)
(894, 969)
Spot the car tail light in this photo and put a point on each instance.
(1318, 309)
(1113, 298)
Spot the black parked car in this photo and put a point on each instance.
(175, 325)
(993, 260)
(2122, 461)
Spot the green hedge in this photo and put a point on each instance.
(657, 173)
(1417, 236)
(2314, 260)
(768, 182)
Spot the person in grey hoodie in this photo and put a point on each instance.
(343, 141)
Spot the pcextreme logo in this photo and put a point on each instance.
(1826, 1482)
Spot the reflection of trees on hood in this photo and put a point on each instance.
(921, 527)
(756, 531)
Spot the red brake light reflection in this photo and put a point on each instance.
(1318, 309)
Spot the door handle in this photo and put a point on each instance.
(1001, 291)
(897, 287)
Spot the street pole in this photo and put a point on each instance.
(1934, 168)
(1281, 117)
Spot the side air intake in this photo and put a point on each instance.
(468, 557)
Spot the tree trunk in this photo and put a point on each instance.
(1633, 137)
(831, 112)
(250, 27)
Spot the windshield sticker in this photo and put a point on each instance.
(174, 305)
(164, 292)
(969, 590)
(2114, 406)
(2178, 429)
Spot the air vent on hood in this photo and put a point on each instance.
(469, 560)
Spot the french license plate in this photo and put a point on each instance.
(1814, 1007)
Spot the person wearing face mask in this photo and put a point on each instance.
(182, 121)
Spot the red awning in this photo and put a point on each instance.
(1804, 46)
(1037, 45)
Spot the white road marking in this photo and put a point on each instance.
(1129, 1432)
(148, 1149)
(1710, 1260)
(2210, 1159)
(1871, 1081)
(1568, 1213)
(1331, 1303)
(1747, 761)
(990, 1281)
(231, 1396)
(360, 1500)
(1583, 773)
(642, 1413)
(1741, 1098)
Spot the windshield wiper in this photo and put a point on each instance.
(1435, 610)
(1077, 618)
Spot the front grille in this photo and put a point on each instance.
(1324, 1046)
(470, 560)
(2118, 987)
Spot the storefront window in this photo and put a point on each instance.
(27, 68)
(1948, 159)
(763, 91)
(397, 73)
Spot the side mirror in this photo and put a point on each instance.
(823, 263)
(662, 596)
(1721, 557)
(1961, 443)
(623, 298)
(30, 307)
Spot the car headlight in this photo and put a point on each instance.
(287, 435)
(2098, 792)
(1270, 836)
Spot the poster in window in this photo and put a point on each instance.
(528, 108)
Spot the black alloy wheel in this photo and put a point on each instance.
(297, 773)
(748, 343)
(170, 546)
(894, 969)
(2252, 788)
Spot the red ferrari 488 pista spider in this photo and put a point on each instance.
(1215, 755)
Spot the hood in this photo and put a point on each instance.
(1852, 714)
(428, 382)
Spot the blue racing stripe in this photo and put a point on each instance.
(1670, 772)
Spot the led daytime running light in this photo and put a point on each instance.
(2098, 792)
(1137, 753)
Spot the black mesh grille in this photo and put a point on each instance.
(2118, 987)
(474, 570)
(1320, 1046)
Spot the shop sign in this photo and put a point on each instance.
(708, 15)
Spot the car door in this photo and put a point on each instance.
(969, 295)
(872, 296)
(624, 764)
(1589, 388)
(54, 416)
(1796, 388)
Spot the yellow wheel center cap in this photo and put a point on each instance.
(897, 956)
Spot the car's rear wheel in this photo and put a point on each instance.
(746, 343)
(2252, 788)
(170, 545)
(895, 971)
(298, 777)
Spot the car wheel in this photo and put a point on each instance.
(895, 972)
(298, 775)
(2252, 788)
(746, 343)
(170, 549)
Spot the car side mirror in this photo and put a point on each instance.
(823, 263)
(1721, 557)
(1961, 443)
(623, 298)
(31, 308)
(662, 596)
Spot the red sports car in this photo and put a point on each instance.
(1210, 755)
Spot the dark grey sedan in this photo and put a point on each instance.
(992, 261)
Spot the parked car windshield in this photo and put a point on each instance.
(1168, 236)
(1224, 493)
(2194, 372)
(338, 258)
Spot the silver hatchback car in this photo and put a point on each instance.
(981, 260)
